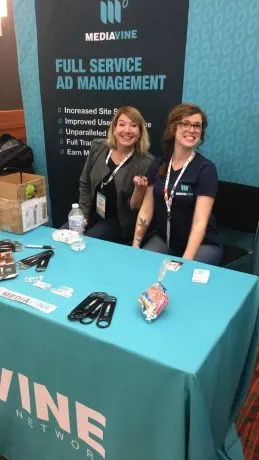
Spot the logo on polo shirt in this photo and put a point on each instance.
(185, 190)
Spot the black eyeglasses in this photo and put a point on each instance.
(186, 125)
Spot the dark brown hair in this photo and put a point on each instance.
(175, 116)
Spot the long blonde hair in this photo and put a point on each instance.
(143, 143)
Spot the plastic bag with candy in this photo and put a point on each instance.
(155, 298)
(153, 301)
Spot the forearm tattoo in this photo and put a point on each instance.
(140, 230)
(142, 222)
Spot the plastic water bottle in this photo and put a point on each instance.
(76, 223)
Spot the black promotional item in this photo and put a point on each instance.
(92, 314)
(87, 305)
(43, 263)
(98, 305)
(6, 246)
(10, 245)
(34, 260)
(106, 313)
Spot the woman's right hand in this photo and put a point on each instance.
(140, 186)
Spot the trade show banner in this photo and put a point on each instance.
(95, 56)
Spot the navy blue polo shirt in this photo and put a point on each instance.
(199, 178)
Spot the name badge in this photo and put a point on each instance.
(100, 204)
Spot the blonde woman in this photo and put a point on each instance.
(113, 182)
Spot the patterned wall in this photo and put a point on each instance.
(222, 76)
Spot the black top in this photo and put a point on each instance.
(199, 178)
(109, 190)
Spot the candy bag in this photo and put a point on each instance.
(155, 298)
(153, 301)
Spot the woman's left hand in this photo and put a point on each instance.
(140, 182)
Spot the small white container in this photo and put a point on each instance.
(79, 244)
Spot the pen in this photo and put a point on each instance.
(39, 246)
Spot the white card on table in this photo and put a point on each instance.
(200, 276)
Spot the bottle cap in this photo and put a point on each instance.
(75, 205)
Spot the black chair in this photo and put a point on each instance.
(236, 209)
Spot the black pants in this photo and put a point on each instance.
(103, 229)
(207, 253)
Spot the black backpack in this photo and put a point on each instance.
(14, 156)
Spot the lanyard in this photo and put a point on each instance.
(117, 168)
(169, 199)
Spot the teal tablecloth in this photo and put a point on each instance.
(169, 390)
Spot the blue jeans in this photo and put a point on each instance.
(207, 253)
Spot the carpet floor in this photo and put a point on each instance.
(247, 423)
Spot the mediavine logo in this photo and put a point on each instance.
(110, 11)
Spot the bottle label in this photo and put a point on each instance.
(76, 224)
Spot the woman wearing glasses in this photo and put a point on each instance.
(181, 190)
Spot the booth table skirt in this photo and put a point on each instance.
(169, 390)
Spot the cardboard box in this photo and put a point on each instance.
(23, 202)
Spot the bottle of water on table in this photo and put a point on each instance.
(76, 223)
